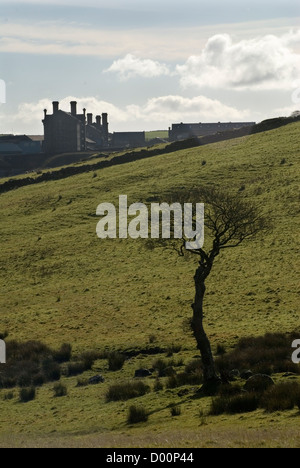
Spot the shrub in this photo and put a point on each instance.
(194, 367)
(264, 354)
(158, 386)
(27, 394)
(229, 390)
(218, 406)
(51, 370)
(116, 361)
(137, 414)
(165, 367)
(28, 351)
(60, 390)
(82, 382)
(173, 349)
(281, 397)
(64, 354)
(237, 404)
(152, 339)
(160, 365)
(39, 379)
(175, 411)
(75, 368)
(126, 391)
(221, 350)
(244, 403)
(182, 379)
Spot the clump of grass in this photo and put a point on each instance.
(229, 390)
(244, 403)
(60, 390)
(116, 361)
(194, 367)
(137, 414)
(165, 367)
(75, 368)
(221, 350)
(175, 411)
(27, 394)
(281, 397)
(182, 379)
(173, 349)
(64, 354)
(265, 353)
(82, 382)
(158, 386)
(126, 391)
(51, 370)
(152, 339)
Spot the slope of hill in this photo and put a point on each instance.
(60, 283)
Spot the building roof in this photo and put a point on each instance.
(9, 148)
(13, 138)
(36, 137)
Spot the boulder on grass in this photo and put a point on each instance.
(259, 383)
(96, 380)
(142, 373)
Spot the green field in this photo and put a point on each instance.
(60, 283)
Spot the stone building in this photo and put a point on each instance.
(184, 131)
(97, 132)
(68, 132)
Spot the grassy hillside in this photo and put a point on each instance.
(60, 283)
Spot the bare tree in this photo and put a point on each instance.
(229, 221)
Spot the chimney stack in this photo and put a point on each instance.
(90, 119)
(55, 106)
(98, 120)
(74, 108)
(45, 112)
(105, 127)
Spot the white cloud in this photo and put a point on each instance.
(157, 43)
(196, 109)
(131, 66)
(266, 63)
(154, 113)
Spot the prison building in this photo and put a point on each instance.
(97, 132)
(64, 132)
(128, 139)
(184, 131)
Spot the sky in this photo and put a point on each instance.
(148, 63)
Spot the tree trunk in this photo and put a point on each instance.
(211, 378)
